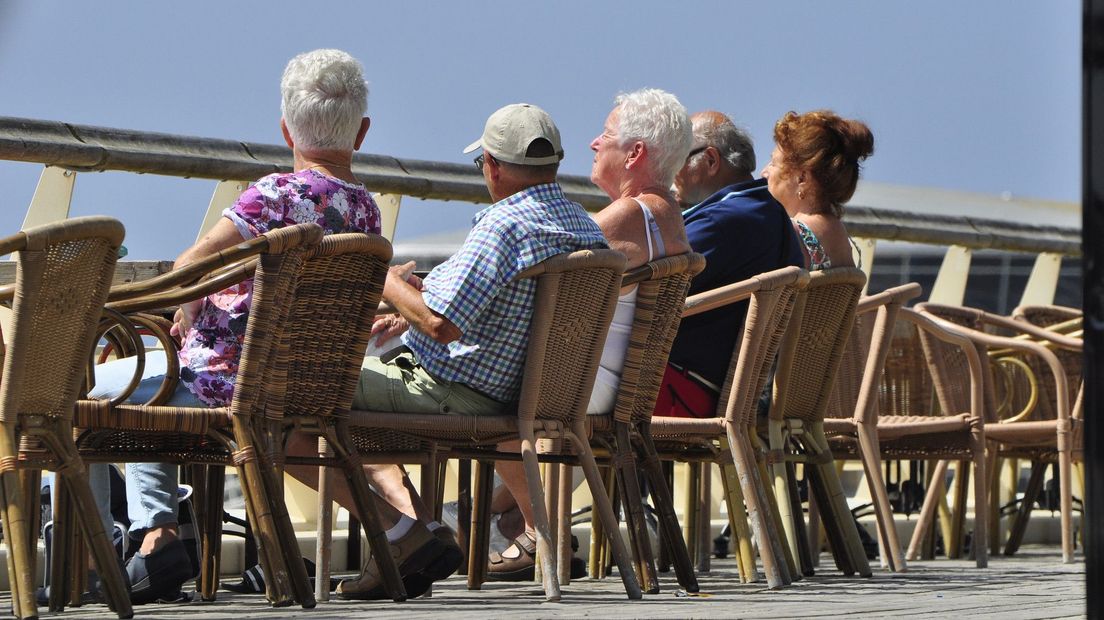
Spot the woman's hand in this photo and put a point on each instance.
(182, 319)
(387, 327)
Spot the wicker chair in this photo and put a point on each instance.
(296, 269)
(851, 422)
(910, 427)
(1065, 321)
(625, 433)
(807, 365)
(575, 300)
(727, 439)
(63, 276)
(1040, 433)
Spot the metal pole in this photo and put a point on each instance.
(1092, 228)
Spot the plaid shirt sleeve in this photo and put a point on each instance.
(462, 287)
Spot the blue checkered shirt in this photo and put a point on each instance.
(475, 289)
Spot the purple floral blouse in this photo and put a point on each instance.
(212, 348)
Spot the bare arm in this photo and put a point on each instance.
(408, 300)
(623, 225)
(223, 235)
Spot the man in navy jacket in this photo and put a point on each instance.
(732, 219)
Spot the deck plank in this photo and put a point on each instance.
(1033, 584)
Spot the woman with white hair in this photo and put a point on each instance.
(324, 100)
(644, 143)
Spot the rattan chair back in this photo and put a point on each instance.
(765, 324)
(327, 325)
(659, 299)
(948, 364)
(866, 351)
(1057, 317)
(576, 296)
(62, 279)
(845, 392)
(823, 319)
(907, 387)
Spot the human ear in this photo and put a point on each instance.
(287, 134)
(365, 123)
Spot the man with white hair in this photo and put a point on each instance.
(742, 231)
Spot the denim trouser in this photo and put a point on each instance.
(151, 487)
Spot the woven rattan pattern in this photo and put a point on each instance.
(827, 320)
(1045, 316)
(565, 384)
(948, 364)
(659, 301)
(58, 324)
(336, 296)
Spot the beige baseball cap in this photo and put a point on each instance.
(510, 131)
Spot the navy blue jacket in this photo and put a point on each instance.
(742, 231)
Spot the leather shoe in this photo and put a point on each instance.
(441, 567)
(416, 550)
(159, 575)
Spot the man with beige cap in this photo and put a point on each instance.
(465, 327)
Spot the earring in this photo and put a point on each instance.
(801, 194)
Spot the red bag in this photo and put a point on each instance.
(682, 396)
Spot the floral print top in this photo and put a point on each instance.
(818, 256)
(212, 348)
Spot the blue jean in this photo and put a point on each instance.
(151, 487)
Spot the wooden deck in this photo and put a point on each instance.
(1034, 584)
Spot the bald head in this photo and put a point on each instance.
(722, 155)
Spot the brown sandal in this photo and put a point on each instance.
(518, 568)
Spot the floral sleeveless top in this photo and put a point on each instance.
(212, 348)
(818, 257)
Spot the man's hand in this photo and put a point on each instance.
(387, 327)
(403, 290)
(401, 274)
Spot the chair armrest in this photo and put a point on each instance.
(948, 332)
(173, 295)
(206, 267)
(899, 295)
(739, 291)
(1028, 330)
(1016, 344)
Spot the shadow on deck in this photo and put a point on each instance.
(1033, 584)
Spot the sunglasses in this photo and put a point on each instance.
(479, 161)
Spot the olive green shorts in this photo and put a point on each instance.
(403, 385)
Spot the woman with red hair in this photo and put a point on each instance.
(813, 171)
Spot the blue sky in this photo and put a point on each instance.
(980, 96)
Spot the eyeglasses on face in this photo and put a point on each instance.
(479, 162)
(695, 152)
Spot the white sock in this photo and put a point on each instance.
(400, 529)
(433, 526)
